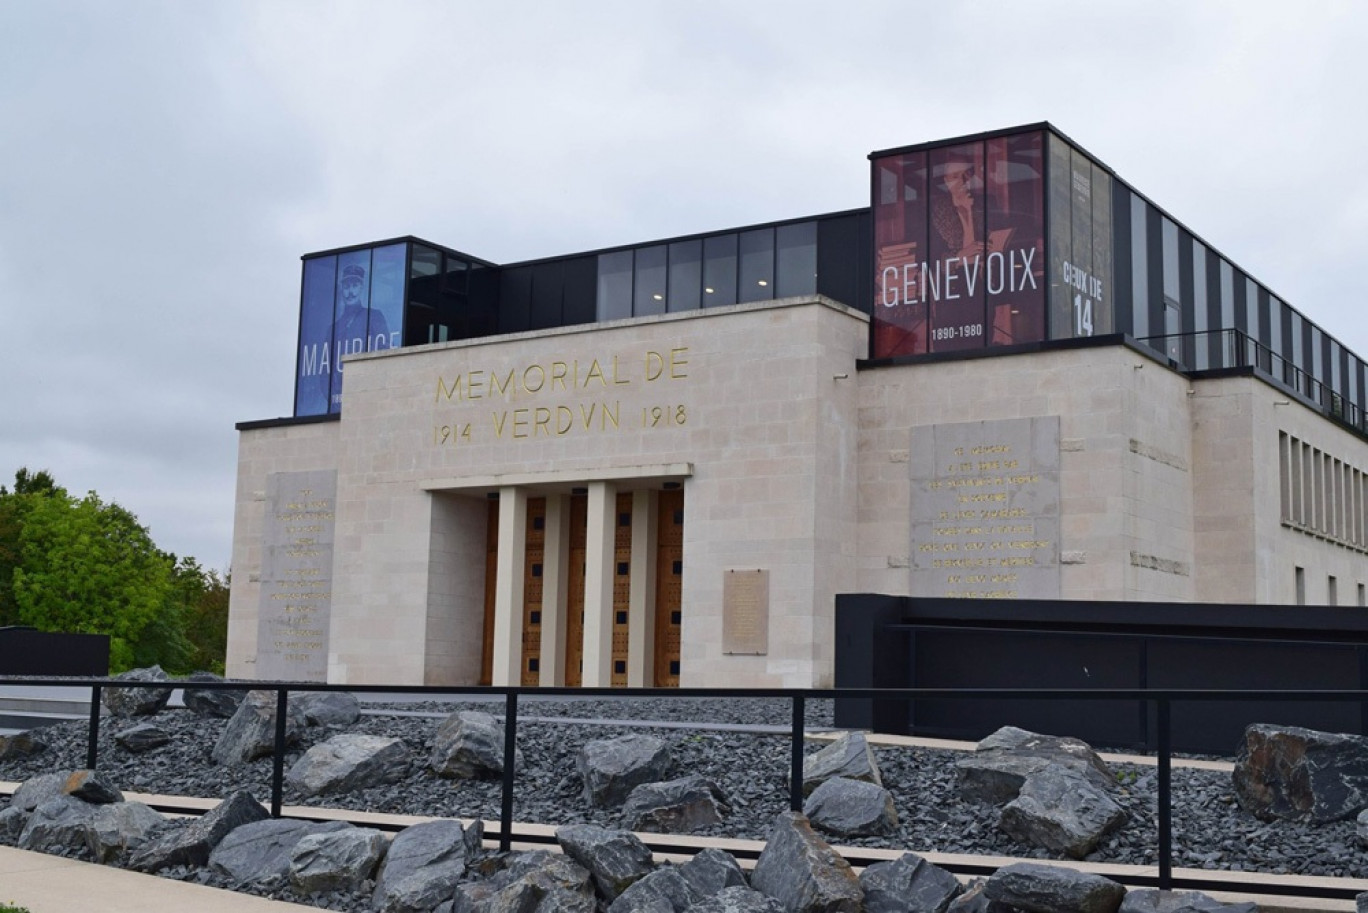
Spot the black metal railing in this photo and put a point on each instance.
(1162, 701)
(1219, 349)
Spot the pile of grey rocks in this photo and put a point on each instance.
(441, 865)
(1293, 798)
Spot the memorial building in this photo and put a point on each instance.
(1010, 376)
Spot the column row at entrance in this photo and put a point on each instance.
(583, 589)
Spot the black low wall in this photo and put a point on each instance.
(901, 642)
(26, 651)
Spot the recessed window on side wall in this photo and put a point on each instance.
(795, 259)
(1300, 583)
(686, 276)
(719, 270)
(615, 285)
(648, 297)
(756, 274)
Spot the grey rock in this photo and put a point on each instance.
(218, 703)
(116, 830)
(422, 867)
(1153, 900)
(474, 838)
(141, 738)
(675, 806)
(328, 708)
(192, 843)
(614, 858)
(258, 853)
(470, 745)
(250, 733)
(1361, 902)
(1061, 811)
(798, 869)
(664, 890)
(341, 860)
(712, 870)
(973, 900)
(851, 808)
(92, 786)
(1001, 763)
(1361, 828)
(1040, 888)
(348, 762)
(130, 701)
(537, 881)
(612, 768)
(738, 900)
(21, 745)
(34, 791)
(12, 822)
(58, 823)
(1300, 774)
(849, 756)
(908, 884)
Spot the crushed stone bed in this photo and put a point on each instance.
(1210, 829)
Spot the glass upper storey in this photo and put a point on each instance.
(970, 246)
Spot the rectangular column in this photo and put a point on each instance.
(641, 598)
(508, 594)
(555, 590)
(598, 585)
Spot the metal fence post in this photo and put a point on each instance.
(278, 759)
(796, 757)
(510, 758)
(1165, 795)
(93, 736)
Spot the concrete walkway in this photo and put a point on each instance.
(52, 884)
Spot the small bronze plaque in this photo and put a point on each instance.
(745, 612)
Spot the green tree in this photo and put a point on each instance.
(89, 567)
(14, 506)
(206, 623)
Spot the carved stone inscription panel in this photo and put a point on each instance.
(985, 509)
(296, 576)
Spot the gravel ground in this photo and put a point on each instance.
(1210, 830)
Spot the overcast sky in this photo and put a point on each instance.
(163, 165)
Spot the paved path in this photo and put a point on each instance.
(53, 884)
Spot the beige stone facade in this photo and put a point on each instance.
(796, 466)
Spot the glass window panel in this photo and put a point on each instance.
(386, 298)
(958, 241)
(615, 285)
(1139, 268)
(1172, 288)
(686, 276)
(1275, 327)
(1200, 322)
(456, 276)
(1102, 246)
(649, 294)
(899, 313)
(1227, 295)
(1063, 323)
(314, 367)
(1298, 351)
(796, 259)
(426, 261)
(351, 312)
(719, 270)
(756, 249)
(1014, 240)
